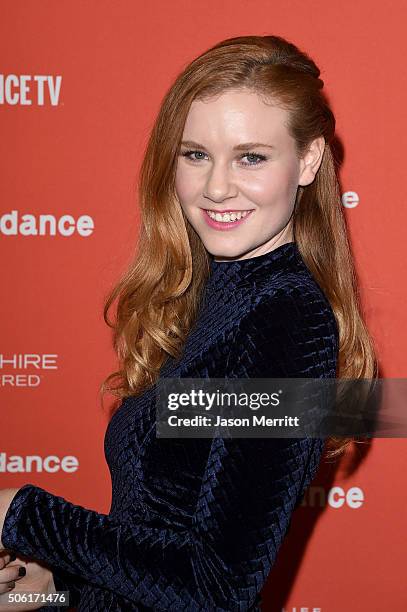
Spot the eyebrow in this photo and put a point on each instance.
(245, 146)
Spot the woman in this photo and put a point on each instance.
(243, 270)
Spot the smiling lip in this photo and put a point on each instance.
(225, 210)
(223, 225)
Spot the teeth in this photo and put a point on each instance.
(227, 217)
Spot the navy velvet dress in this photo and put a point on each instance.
(195, 524)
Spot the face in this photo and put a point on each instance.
(238, 195)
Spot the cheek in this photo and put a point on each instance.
(185, 186)
(272, 187)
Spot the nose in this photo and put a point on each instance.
(220, 185)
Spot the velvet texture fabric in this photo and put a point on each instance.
(195, 524)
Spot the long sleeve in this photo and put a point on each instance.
(64, 581)
(296, 338)
(245, 492)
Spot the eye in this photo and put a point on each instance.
(259, 159)
(187, 155)
(256, 158)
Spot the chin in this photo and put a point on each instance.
(220, 248)
(231, 253)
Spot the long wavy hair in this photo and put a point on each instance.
(159, 294)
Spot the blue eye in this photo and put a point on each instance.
(188, 154)
(258, 157)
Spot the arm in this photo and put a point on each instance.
(297, 339)
(246, 493)
(63, 581)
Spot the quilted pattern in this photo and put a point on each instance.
(195, 524)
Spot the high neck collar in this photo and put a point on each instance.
(284, 256)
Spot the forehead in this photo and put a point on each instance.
(236, 116)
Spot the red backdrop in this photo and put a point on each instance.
(81, 82)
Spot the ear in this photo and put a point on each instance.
(311, 161)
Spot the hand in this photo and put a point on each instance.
(6, 495)
(38, 579)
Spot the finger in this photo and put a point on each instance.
(7, 586)
(12, 573)
(6, 556)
